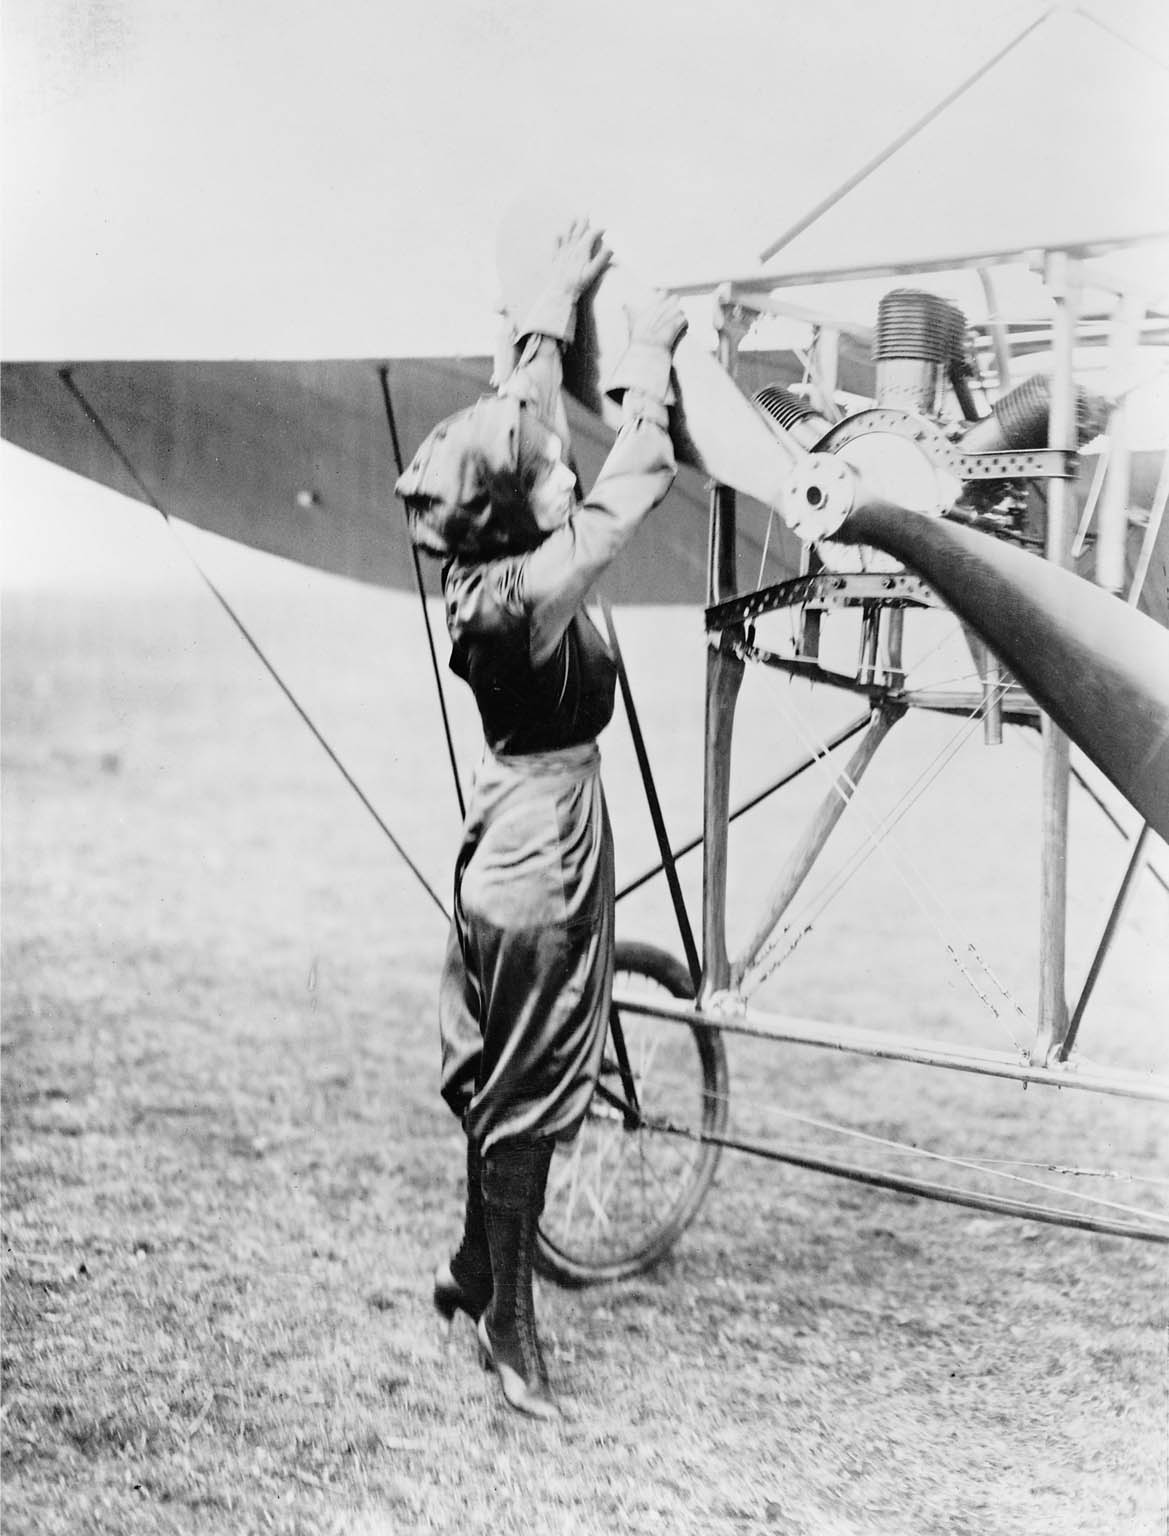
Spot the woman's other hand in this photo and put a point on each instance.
(659, 323)
(641, 379)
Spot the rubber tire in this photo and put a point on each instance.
(566, 1268)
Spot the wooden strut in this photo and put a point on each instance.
(808, 1032)
(724, 677)
(789, 774)
(808, 850)
(1152, 533)
(1112, 525)
(653, 800)
(930, 1189)
(883, 1045)
(1052, 1025)
(1132, 869)
(1113, 819)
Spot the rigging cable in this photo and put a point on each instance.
(99, 426)
(844, 786)
(387, 401)
(811, 1160)
(971, 1165)
(875, 837)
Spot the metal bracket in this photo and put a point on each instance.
(1035, 464)
(1031, 464)
(824, 590)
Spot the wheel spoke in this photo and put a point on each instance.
(600, 1216)
(574, 1186)
(618, 1200)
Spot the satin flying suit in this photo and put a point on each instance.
(528, 974)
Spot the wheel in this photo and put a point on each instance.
(624, 1190)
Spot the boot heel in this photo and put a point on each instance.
(486, 1353)
(451, 1296)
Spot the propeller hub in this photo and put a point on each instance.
(819, 494)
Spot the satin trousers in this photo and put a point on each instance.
(528, 976)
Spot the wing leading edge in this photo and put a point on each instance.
(297, 458)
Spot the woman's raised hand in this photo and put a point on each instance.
(580, 258)
(658, 323)
(577, 259)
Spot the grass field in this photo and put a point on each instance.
(227, 1174)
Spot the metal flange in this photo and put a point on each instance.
(899, 457)
(819, 494)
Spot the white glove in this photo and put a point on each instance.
(654, 332)
(580, 258)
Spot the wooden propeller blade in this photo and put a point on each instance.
(1097, 666)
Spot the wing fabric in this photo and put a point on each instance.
(296, 458)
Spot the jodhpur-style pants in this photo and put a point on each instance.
(528, 976)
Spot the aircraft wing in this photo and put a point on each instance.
(297, 458)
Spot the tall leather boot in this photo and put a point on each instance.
(463, 1284)
(514, 1178)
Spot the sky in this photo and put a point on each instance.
(276, 178)
(280, 178)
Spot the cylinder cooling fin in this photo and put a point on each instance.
(1020, 419)
(919, 340)
(791, 412)
(913, 324)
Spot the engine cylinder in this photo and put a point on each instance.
(793, 414)
(919, 337)
(1019, 419)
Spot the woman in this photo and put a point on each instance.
(527, 980)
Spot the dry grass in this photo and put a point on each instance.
(227, 1173)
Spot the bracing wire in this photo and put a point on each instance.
(774, 955)
(898, 810)
(970, 1165)
(107, 437)
(392, 425)
(1072, 1208)
(1070, 1170)
(903, 138)
(1121, 37)
(811, 1157)
(911, 877)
